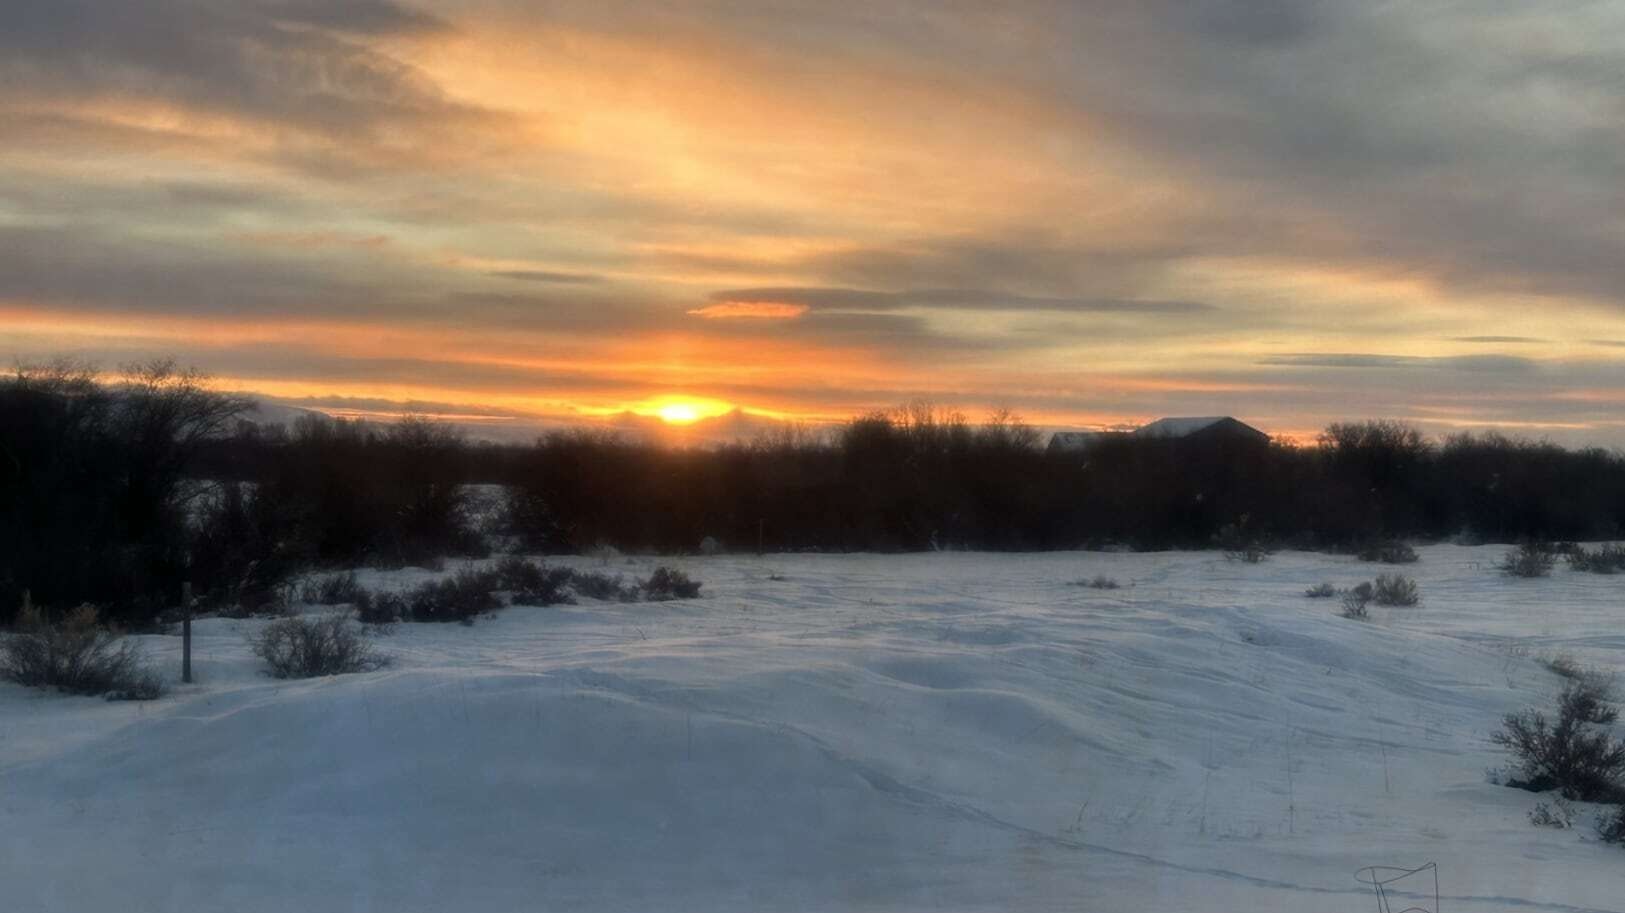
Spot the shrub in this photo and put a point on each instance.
(1321, 591)
(594, 585)
(303, 647)
(603, 553)
(267, 604)
(380, 608)
(1570, 754)
(1240, 544)
(1607, 559)
(1355, 600)
(1564, 665)
(1099, 582)
(1611, 826)
(515, 572)
(1250, 553)
(1559, 814)
(1392, 552)
(76, 655)
(338, 589)
(533, 584)
(1531, 559)
(550, 589)
(460, 597)
(1394, 590)
(666, 583)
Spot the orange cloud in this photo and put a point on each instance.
(758, 310)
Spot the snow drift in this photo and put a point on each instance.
(924, 732)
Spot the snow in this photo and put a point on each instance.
(858, 732)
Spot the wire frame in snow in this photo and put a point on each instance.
(1392, 887)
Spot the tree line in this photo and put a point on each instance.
(114, 492)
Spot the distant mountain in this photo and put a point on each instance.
(508, 428)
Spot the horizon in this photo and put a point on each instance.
(679, 217)
(741, 426)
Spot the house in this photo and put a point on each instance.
(1221, 431)
(1209, 428)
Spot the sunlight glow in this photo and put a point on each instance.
(679, 413)
(682, 410)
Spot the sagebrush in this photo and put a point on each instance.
(1240, 543)
(1355, 601)
(463, 596)
(1564, 665)
(666, 583)
(381, 608)
(337, 589)
(1607, 559)
(1531, 559)
(534, 584)
(1611, 825)
(1390, 552)
(308, 647)
(1394, 590)
(606, 587)
(76, 655)
(1572, 753)
(1558, 814)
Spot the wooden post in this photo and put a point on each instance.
(186, 632)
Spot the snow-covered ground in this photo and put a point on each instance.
(921, 732)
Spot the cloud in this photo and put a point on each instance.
(86, 266)
(1030, 259)
(750, 310)
(547, 276)
(1432, 136)
(1256, 23)
(1214, 205)
(300, 65)
(362, 17)
(1497, 364)
(968, 299)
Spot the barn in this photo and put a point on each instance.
(1217, 431)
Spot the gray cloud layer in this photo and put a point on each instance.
(290, 63)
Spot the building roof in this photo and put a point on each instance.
(1179, 427)
(1182, 427)
(1165, 428)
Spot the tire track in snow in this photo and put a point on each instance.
(922, 798)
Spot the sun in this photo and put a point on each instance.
(679, 414)
(681, 409)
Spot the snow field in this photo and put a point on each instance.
(916, 732)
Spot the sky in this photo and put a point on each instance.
(1090, 213)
